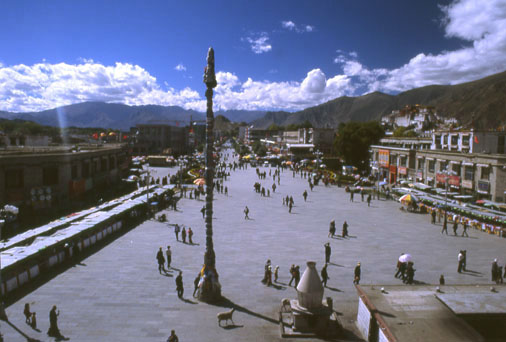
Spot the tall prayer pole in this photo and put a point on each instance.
(210, 289)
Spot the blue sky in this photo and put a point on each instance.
(270, 55)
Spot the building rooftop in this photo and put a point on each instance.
(55, 150)
(420, 313)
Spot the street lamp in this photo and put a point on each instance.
(210, 288)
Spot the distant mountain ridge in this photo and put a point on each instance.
(482, 101)
(121, 116)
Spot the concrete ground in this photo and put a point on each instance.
(117, 294)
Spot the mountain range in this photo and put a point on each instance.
(120, 116)
(482, 102)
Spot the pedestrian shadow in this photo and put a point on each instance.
(280, 282)
(331, 263)
(168, 275)
(231, 326)
(227, 303)
(175, 268)
(81, 264)
(194, 244)
(62, 338)
(336, 237)
(277, 287)
(187, 301)
(471, 271)
(333, 289)
(419, 282)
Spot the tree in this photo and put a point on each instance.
(259, 148)
(354, 139)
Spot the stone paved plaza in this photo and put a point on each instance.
(117, 294)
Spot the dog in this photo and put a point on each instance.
(225, 316)
(285, 302)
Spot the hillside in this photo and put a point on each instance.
(485, 98)
(120, 116)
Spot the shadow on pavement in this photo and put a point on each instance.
(333, 289)
(232, 326)
(227, 303)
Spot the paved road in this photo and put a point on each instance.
(117, 293)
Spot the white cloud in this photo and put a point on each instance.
(251, 95)
(260, 44)
(291, 26)
(43, 86)
(82, 60)
(180, 67)
(481, 23)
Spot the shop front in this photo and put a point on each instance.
(393, 174)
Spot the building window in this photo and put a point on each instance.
(85, 170)
(455, 139)
(112, 163)
(14, 179)
(50, 175)
(13, 141)
(485, 173)
(468, 173)
(103, 165)
(465, 140)
(432, 165)
(74, 171)
(421, 164)
(403, 160)
(500, 144)
(456, 169)
(393, 160)
(442, 165)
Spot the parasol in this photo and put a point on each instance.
(405, 258)
(408, 198)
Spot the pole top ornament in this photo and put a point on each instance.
(209, 75)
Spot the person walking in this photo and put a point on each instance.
(495, 270)
(179, 284)
(183, 235)
(464, 227)
(345, 229)
(33, 321)
(203, 211)
(297, 275)
(410, 273)
(246, 212)
(161, 260)
(273, 187)
(190, 236)
(196, 282)
(276, 270)
(53, 330)
(27, 313)
(304, 194)
(328, 251)
(362, 192)
(332, 228)
(445, 226)
(357, 272)
(173, 337)
(168, 254)
(369, 200)
(460, 259)
(325, 275)
(176, 231)
(290, 206)
(442, 280)
(433, 216)
(455, 224)
(292, 274)
(351, 195)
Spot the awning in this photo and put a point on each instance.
(483, 165)
(441, 160)
(482, 192)
(454, 162)
(429, 158)
(420, 157)
(467, 164)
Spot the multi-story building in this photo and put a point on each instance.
(473, 163)
(470, 141)
(415, 115)
(41, 178)
(157, 138)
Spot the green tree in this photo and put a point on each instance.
(259, 148)
(354, 139)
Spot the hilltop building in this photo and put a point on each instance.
(411, 115)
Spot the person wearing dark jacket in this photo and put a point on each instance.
(357, 272)
(161, 260)
(53, 323)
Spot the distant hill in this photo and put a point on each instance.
(484, 98)
(120, 116)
